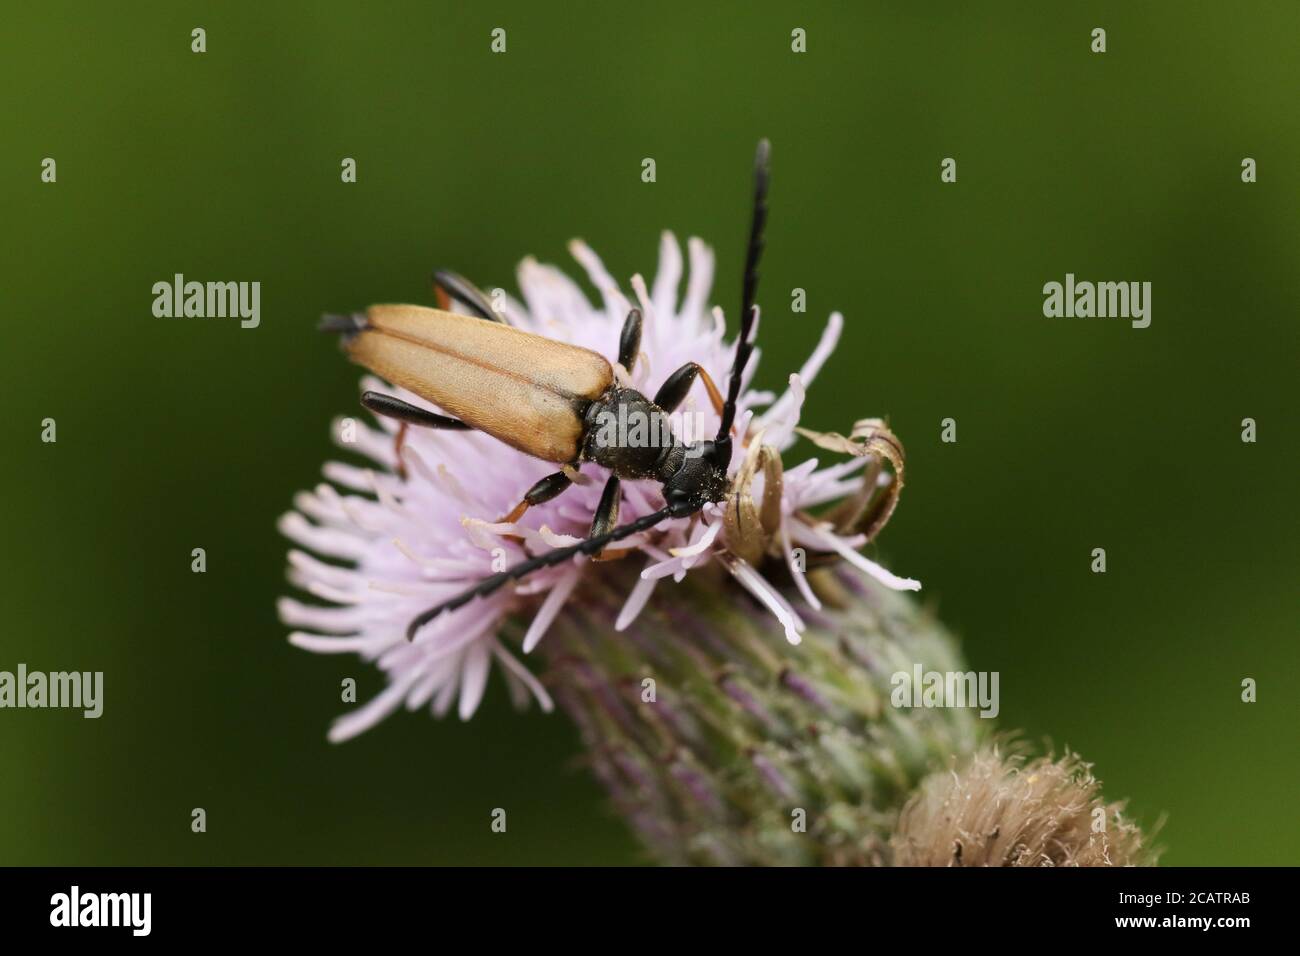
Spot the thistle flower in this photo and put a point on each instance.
(727, 727)
(417, 531)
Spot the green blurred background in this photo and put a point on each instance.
(1073, 434)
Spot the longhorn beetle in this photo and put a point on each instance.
(547, 399)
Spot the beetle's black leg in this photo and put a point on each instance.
(407, 414)
(553, 557)
(552, 486)
(674, 389)
(450, 285)
(606, 517)
(629, 342)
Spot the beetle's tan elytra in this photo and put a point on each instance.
(523, 389)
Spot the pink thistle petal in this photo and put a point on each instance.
(635, 603)
(474, 679)
(550, 608)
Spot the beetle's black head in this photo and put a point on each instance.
(700, 478)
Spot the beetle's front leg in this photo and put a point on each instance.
(675, 387)
(407, 414)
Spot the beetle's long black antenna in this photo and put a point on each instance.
(556, 556)
(748, 311)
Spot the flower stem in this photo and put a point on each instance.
(720, 743)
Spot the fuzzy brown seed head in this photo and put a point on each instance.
(1000, 811)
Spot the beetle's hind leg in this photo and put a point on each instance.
(448, 285)
(408, 415)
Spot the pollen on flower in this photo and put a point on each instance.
(379, 544)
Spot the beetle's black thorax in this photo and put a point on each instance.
(630, 435)
(633, 437)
